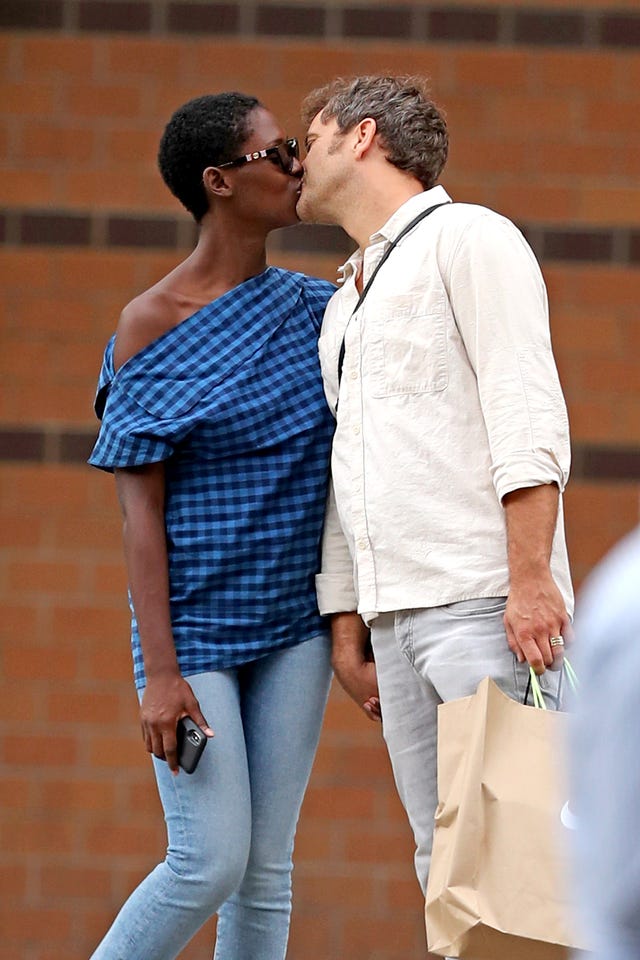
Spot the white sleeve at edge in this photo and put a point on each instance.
(334, 584)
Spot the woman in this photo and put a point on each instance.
(215, 424)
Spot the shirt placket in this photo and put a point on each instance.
(364, 557)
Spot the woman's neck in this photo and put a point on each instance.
(225, 258)
(219, 263)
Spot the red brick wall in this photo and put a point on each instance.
(543, 106)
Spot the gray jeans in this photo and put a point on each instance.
(424, 658)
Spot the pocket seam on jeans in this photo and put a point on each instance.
(406, 649)
(498, 604)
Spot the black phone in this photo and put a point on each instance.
(191, 744)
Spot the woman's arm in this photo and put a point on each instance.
(167, 696)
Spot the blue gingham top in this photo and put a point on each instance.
(232, 401)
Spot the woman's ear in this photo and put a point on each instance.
(215, 182)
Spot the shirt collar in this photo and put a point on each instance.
(402, 216)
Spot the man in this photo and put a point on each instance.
(444, 532)
(605, 753)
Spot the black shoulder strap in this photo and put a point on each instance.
(383, 259)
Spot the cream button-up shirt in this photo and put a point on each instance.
(449, 399)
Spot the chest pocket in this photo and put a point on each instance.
(407, 348)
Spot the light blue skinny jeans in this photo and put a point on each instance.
(231, 824)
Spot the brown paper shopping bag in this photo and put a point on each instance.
(498, 886)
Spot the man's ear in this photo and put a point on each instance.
(215, 182)
(365, 134)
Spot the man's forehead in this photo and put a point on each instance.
(318, 125)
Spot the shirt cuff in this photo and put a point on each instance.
(335, 594)
(533, 468)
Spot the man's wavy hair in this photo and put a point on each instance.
(413, 131)
(203, 132)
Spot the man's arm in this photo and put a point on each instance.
(535, 609)
(500, 304)
(351, 650)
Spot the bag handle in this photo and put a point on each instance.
(533, 685)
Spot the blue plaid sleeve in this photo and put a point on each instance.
(131, 436)
(104, 380)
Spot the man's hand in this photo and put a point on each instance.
(353, 663)
(360, 682)
(166, 699)
(535, 613)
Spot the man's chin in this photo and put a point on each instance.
(302, 209)
(306, 212)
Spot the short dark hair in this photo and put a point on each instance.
(412, 128)
(203, 132)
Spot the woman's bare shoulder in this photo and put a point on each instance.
(142, 321)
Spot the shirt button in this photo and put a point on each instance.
(354, 374)
(356, 430)
(362, 544)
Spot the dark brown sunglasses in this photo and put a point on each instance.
(283, 155)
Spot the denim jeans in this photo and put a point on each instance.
(424, 658)
(231, 823)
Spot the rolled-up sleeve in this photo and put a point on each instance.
(335, 583)
(500, 303)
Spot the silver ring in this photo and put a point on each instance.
(556, 642)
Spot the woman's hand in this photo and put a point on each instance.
(166, 699)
